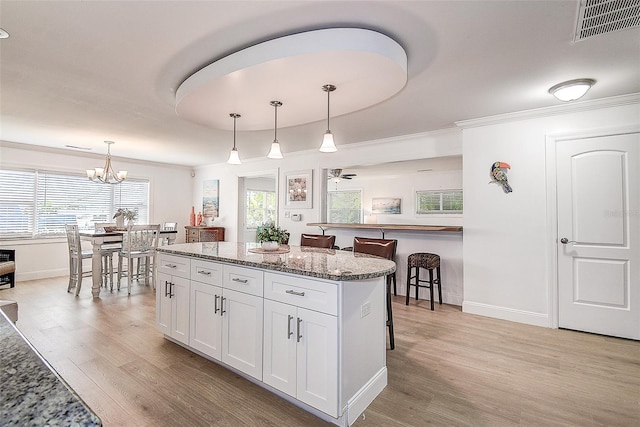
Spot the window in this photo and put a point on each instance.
(344, 206)
(261, 208)
(38, 204)
(443, 202)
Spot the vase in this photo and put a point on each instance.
(270, 246)
(192, 216)
(120, 221)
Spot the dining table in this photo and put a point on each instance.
(99, 238)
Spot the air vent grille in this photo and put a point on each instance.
(605, 16)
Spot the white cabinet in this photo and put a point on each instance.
(172, 297)
(301, 344)
(206, 307)
(301, 354)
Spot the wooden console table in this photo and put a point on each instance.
(204, 234)
(389, 227)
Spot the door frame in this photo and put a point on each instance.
(240, 186)
(552, 140)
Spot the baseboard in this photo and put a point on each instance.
(41, 274)
(359, 403)
(504, 313)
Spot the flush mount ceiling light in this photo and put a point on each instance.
(275, 152)
(3, 34)
(106, 174)
(368, 66)
(234, 157)
(572, 89)
(328, 144)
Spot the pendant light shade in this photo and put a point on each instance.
(328, 144)
(275, 152)
(234, 157)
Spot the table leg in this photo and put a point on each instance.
(96, 269)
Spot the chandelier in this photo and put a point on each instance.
(106, 174)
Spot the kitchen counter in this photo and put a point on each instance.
(31, 392)
(321, 263)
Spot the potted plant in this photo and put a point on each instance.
(130, 215)
(271, 236)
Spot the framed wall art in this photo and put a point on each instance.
(386, 205)
(299, 189)
(210, 198)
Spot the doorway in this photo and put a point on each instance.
(597, 257)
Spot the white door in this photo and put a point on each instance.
(317, 375)
(279, 367)
(598, 201)
(179, 294)
(242, 332)
(206, 322)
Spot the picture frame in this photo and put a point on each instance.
(211, 198)
(298, 192)
(386, 205)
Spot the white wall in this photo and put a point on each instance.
(170, 200)
(410, 147)
(506, 236)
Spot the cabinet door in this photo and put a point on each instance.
(279, 367)
(163, 303)
(180, 309)
(205, 333)
(242, 332)
(317, 375)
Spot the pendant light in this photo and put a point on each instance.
(275, 152)
(328, 145)
(234, 158)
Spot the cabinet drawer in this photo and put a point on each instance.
(243, 279)
(174, 265)
(206, 272)
(306, 293)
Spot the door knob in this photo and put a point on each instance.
(564, 241)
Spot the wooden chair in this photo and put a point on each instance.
(76, 255)
(8, 267)
(107, 251)
(317, 240)
(139, 242)
(384, 248)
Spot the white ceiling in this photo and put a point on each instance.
(80, 72)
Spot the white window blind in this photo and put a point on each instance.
(430, 202)
(344, 207)
(38, 204)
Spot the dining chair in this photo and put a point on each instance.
(139, 243)
(318, 240)
(107, 250)
(384, 248)
(76, 255)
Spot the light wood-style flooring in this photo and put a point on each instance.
(448, 369)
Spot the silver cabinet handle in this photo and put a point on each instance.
(205, 273)
(171, 294)
(215, 304)
(292, 292)
(235, 279)
(171, 266)
(222, 310)
(564, 241)
(289, 331)
(166, 289)
(298, 330)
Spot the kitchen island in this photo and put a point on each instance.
(307, 324)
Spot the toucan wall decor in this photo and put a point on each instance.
(499, 175)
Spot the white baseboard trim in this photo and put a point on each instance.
(41, 274)
(504, 313)
(363, 398)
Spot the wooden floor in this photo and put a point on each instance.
(448, 369)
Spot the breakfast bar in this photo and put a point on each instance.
(307, 324)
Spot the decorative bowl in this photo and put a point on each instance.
(270, 246)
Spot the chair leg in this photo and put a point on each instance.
(431, 287)
(71, 270)
(439, 285)
(406, 302)
(78, 276)
(417, 281)
(392, 343)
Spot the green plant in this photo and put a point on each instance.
(269, 232)
(130, 214)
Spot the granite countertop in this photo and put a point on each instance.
(31, 392)
(327, 264)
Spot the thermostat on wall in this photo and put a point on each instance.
(296, 217)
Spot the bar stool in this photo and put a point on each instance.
(429, 262)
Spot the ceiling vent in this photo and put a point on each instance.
(606, 16)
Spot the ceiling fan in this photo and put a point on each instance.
(336, 175)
